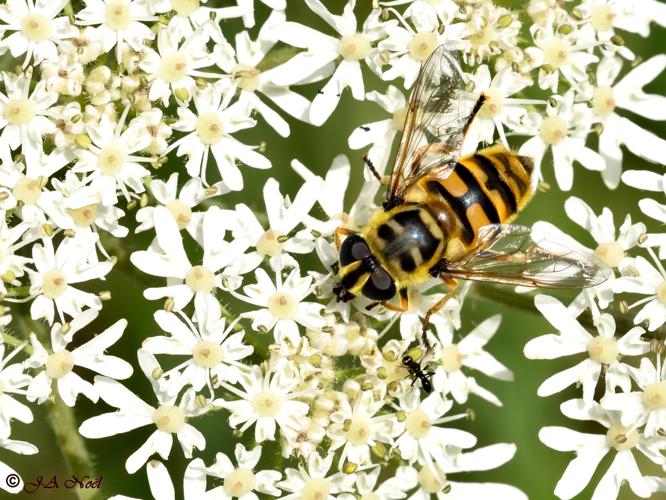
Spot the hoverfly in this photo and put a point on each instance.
(446, 215)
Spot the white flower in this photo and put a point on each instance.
(278, 241)
(180, 205)
(409, 47)
(209, 131)
(610, 249)
(592, 448)
(22, 448)
(12, 239)
(421, 298)
(647, 406)
(423, 440)
(481, 459)
(499, 109)
(331, 198)
(312, 482)
(468, 352)
(176, 65)
(13, 381)
(265, 399)
(59, 364)
(118, 21)
(380, 134)
(563, 129)
(555, 54)
(109, 162)
(283, 306)
(37, 31)
(350, 45)
(166, 257)
(212, 348)
(357, 427)
(25, 188)
(607, 97)
(152, 120)
(490, 31)
(251, 81)
(242, 481)
(131, 413)
(641, 277)
(190, 16)
(247, 9)
(394, 487)
(84, 210)
(56, 272)
(603, 350)
(24, 114)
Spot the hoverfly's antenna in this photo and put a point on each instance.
(372, 168)
(477, 107)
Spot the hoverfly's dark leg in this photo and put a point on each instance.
(338, 231)
(404, 303)
(453, 285)
(470, 119)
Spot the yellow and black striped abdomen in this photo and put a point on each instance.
(488, 187)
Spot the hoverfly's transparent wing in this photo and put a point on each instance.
(433, 131)
(518, 255)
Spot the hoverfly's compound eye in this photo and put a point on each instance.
(352, 249)
(379, 286)
(406, 360)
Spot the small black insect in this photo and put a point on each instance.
(417, 373)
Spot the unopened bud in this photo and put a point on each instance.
(565, 29)
(82, 141)
(349, 468)
(617, 40)
(505, 21)
(182, 94)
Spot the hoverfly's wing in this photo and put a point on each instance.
(517, 255)
(433, 131)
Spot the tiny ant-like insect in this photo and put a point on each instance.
(415, 370)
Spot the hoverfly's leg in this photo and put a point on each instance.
(453, 284)
(336, 234)
(470, 119)
(403, 307)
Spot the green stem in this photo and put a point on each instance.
(18, 292)
(66, 430)
(523, 302)
(13, 341)
(65, 427)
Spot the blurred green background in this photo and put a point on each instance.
(535, 469)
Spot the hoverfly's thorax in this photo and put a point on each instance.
(407, 240)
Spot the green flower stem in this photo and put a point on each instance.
(524, 302)
(65, 427)
(8, 338)
(66, 430)
(18, 292)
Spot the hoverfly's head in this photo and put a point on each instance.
(360, 272)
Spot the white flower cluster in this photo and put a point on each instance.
(99, 98)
